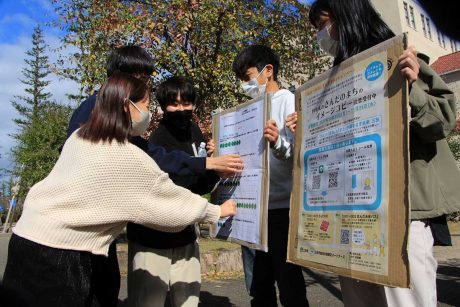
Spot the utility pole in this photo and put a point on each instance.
(14, 193)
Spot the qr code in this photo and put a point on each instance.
(316, 184)
(333, 182)
(344, 236)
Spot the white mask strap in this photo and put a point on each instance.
(134, 105)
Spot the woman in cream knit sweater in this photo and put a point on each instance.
(99, 183)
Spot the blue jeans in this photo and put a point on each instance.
(248, 255)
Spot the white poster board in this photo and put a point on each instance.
(240, 130)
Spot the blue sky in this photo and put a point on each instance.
(17, 18)
(17, 21)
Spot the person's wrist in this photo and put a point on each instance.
(210, 163)
(277, 143)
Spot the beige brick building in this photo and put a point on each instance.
(409, 16)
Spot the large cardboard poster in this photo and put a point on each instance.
(240, 130)
(349, 207)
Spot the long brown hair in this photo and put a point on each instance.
(109, 120)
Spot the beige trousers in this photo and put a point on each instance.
(153, 272)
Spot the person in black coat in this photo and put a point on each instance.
(159, 261)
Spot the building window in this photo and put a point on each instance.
(428, 27)
(441, 40)
(453, 45)
(423, 24)
(412, 18)
(406, 13)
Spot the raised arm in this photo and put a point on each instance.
(282, 146)
(432, 102)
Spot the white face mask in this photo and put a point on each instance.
(140, 126)
(252, 88)
(327, 43)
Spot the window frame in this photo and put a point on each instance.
(412, 17)
(428, 27)
(406, 13)
(423, 24)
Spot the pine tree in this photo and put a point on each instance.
(42, 125)
(34, 78)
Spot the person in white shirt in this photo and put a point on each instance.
(99, 183)
(257, 67)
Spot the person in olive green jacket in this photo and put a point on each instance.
(346, 28)
(434, 192)
(434, 176)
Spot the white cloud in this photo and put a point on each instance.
(19, 20)
(11, 63)
(59, 87)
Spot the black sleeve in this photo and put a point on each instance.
(176, 162)
(81, 114)
(204, 183)
(197, 183)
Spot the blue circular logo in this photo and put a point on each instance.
(374, 70)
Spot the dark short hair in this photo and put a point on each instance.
(133, 60)
(359, 25)
(109, 120)
(167, 91)
(255, 56)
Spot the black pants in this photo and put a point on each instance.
(49, 277)
(57, 277)
(106, 277)
(272, 267)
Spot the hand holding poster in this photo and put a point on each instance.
(349, 208)
(240, 130)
